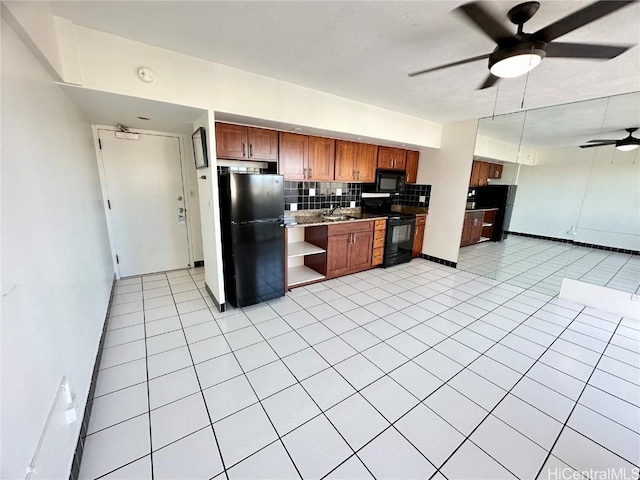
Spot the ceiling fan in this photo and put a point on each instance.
(518, 53)
(626, 144)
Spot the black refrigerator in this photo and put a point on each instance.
(501, 197)
(252, 218)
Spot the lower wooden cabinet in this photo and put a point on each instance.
(418, 236)
(472, 228)
(379, 237)
(349, 248)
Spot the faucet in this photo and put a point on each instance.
(332, 209)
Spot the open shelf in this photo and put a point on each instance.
(301, 249)
(484, 239)
(302, 274)
(487, 224)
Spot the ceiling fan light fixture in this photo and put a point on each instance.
(514, 60)
(628, 147)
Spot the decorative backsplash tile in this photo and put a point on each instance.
(321, 195)
(411, 197)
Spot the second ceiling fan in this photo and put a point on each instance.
(518, 53)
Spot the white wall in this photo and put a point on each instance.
(56, 261)
(447, 170)
(109, 63)
(210, 213)
(492, 149)
(509, 175)
(597, 190)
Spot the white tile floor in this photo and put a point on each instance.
(540, 265)
(417, 371)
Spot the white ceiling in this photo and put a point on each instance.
(363, 50)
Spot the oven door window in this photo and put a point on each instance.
(401, 234)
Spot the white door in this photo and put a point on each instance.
(144, 186)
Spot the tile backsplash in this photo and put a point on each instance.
(414, 196)
(321, 195)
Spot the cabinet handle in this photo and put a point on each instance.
(244, 150)
(250, 150)
(358, 174)
(309, 174)
(304, 173)
(353, 175)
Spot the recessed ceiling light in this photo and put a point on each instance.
(144, 118)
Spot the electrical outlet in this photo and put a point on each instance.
(312, 192)
(338, 192)
(293, 207)
(422, 198)
(352, 204)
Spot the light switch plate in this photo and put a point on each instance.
(352, 204)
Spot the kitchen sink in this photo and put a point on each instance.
(335, 218)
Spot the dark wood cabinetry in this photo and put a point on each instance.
(418, 236)
(412, 166)
(238, 142)
(481, 172)
(392, 158)
(349, 248)
(355, 162)
(294, 156)
(379, 238)
(495, 170)
(472, 228)
(322, 152)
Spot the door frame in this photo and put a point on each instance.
(103, 187)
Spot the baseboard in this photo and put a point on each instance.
(77, 457)
(578, 244)
(198, 263)
(220, 306)
(606, 299)
(441, 261)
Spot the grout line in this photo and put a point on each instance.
(146, 356)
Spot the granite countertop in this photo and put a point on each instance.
(406, 209)
(313, 218)
(481, 209)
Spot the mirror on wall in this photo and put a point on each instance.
(569, 212)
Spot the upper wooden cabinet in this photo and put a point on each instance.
(306, 158)
(294, 156)
(322, 152)
(355, 162)
(238, 142)
(479, 174)
(495, 170)
(392, 158)
(263, 144)
(412, 166)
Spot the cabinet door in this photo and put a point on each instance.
(412, 166)
(263, 144)
(476, 228)
(338, 254)
(366, 161)
(475, 171)
(467, 228)
(417, 241)
(360, 250)
(322, 156)
(346, 153)
(392, 158)
(231, 141)
(483, 174)
(294, 156)
(495, 170)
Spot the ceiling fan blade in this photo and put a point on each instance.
(490, 81)
(598, 144)
(460, 62)
(606, 140)
(577, 19)
(584, 50)
(485, 21)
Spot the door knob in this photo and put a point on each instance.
(181, 210)
(179, 198)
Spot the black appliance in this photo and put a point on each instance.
(388, 181)
(252, 218)
(501, 197)
(400, 227)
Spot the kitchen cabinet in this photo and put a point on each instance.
(322, 153)
(495, 170)
(294, 156)
(238, 142)
(392, 158)
(379, 238)
(418, 236)
(412, 166)
(355, 162)
(472, 228)
(306, 158)
(349, 247)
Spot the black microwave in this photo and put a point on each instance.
(390, 181)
